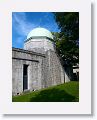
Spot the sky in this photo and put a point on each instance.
(24, 22)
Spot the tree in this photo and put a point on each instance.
(67, 41)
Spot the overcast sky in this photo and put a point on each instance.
(24, 22)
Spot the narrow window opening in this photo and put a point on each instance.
(25, 77)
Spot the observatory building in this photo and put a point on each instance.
(38, 65)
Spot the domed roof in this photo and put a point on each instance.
(40, 32)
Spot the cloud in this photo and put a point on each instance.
(21, 25)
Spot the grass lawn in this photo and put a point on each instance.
(68, 92)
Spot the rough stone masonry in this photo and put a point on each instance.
(36, 66)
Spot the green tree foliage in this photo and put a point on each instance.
(67, 41)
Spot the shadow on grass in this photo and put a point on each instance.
(53, 95)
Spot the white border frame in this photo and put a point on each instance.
(84, 9)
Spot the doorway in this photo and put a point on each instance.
(25, 77)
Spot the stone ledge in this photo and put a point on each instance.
(28, 52)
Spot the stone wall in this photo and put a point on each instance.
(44, 70)
(34, 62)
(54, 73)
(39, 45)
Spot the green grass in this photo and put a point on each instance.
(68, 92)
